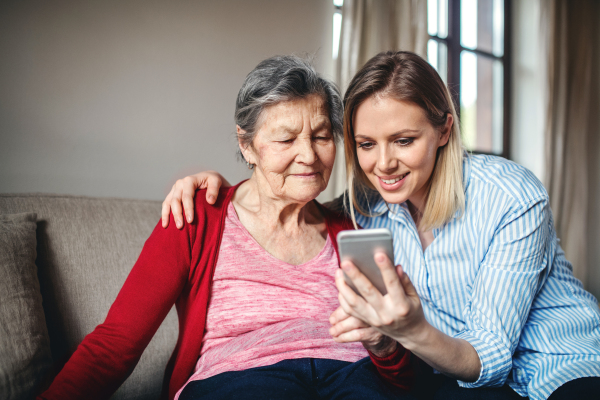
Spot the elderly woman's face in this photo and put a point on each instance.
(293, 149)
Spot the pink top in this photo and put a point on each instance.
(263, 310)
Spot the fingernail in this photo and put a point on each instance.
(380, 257)
(179, 223)
(189, 219)
(345, 266)
(211, 198)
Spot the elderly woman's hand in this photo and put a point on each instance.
(183, 191)
(346, 328)
(398, 314)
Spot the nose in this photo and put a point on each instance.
(306, 152)
(386, 161)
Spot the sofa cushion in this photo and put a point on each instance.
(86, 247)
(25, 356)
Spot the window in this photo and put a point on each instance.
(337, 26)
(469, 47)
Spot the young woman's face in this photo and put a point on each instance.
(396, 147)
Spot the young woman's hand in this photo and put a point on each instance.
(346, 328)
(183, 192)
(398, 314)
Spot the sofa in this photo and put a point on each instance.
(63, 260)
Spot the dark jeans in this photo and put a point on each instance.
(305, 378)
(432, 386)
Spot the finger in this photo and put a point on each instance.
(390, 276)
(166, 210)
(347, 325)
(338, 315)
(176, 205)
(355, 335)
(350, 297)
(363, 284)
(213, 183)
(187, 198)
(359, 309)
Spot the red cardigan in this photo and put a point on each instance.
(175, 267)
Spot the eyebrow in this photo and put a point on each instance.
(402, 132)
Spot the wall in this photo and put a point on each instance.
(120, 98)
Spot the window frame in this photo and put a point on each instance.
(454, 49)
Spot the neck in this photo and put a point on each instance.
(415, 213)
(256, 197)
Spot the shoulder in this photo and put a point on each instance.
(336, 219)
(491, 173)
(203, 208)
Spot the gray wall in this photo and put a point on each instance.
(120, 98)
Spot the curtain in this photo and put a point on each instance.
(369, 27)
(572, 43)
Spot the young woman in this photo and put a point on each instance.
(482, 291)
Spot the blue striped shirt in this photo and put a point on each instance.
(497, 278)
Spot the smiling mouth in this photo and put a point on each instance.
(392, 181)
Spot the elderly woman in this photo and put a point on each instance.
(481, 290)
(252, 277)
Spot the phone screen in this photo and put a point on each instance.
(360, 246)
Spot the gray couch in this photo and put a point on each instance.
(85, 249)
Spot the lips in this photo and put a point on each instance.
(306, 175)
(392, 182)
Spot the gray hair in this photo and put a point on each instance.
(278, 79)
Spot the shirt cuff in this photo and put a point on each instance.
(397, 368)
(494, 356)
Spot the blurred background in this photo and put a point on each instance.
(121, 98)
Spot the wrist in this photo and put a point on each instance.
(421, 336)
(385, 348)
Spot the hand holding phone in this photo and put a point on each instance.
(360, 246)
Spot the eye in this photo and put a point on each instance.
(404, 141)
(286, 141)
(366, 145)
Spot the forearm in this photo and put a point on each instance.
(451, 356)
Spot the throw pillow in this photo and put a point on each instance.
(25, 356)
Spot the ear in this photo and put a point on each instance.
(446, 130)
(248, 156)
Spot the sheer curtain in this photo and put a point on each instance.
(369, 27)
(573, 43)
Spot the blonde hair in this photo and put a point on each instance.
(405, 76)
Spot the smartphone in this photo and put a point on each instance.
(360, 246)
